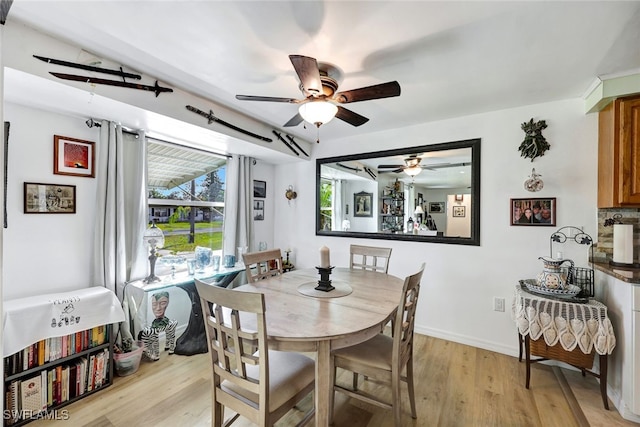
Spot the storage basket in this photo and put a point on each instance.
(582, 277)
(128, 363)
(575, 357)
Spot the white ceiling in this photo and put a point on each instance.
(450, 58)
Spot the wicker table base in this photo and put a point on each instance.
(575, 358)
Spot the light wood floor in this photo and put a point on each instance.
(456, 385)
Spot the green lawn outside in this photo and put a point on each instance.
(165, 226)
(179, 243)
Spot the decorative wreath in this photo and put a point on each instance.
(534, 144)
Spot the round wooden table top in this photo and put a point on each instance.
(293, 316)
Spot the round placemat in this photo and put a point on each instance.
(341, 289)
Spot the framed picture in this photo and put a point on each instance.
(538, 211)
(258, 210)
(420, 199)
(73, 156)
(259, 189)
(362, 202)
(49, 198)
(436, 207)
(459, 197)
(459, 211)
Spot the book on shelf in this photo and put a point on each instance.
(31, 395)
(51, 375)
(45, 389)
(91, 372)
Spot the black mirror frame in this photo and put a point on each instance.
(474, 240)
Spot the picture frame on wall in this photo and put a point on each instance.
(362, 204)
(458, 211)
(49, 198)
(258, 210)
(436, 207)
(533, 211)
(259, 189)
(72, 156)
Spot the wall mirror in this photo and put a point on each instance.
(429, 193)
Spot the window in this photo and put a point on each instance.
(186, 196)
(326, 204)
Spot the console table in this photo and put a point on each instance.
(566, 331)
(185, 308)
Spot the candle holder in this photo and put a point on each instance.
(324, 284)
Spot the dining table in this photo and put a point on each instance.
(302, 319)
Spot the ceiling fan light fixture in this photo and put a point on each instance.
(318, 112)
(413, 170)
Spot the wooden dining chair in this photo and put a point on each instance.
(261, 386)
(384, 357)
(262, 264)
(370, 258)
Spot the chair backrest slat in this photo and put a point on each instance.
(262, 264)
(405, 318)
(232, 349)
(369, 258)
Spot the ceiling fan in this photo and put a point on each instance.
(412, 166)
(319, 84)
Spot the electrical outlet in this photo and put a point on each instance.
(498, 304)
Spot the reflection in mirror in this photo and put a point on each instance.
(426, 193)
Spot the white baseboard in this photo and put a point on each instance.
(472, 341)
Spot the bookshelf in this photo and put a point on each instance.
(55, 372)
(63, 355)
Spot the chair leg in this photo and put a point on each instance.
(217, 414)
(395, 397)
(412, 396)
(332, 401)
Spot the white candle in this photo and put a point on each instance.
(324, 257)
(623, 243)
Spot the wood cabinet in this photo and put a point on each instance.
(619, 154)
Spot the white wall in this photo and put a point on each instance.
(47, 253)
(460, 282)
(263, 230)
(44, 253)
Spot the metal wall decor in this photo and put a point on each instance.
(534, 144)
(534, 183)
(212, 118)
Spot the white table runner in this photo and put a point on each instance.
(29, 320)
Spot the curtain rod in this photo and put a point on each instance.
(92, 123)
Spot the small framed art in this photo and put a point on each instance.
(49, 198)
(362, 202)
(537, 211)
(73, 156)
(259, 189)
(459, 211)
(258, 210)
(436, 207)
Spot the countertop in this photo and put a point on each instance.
(630, 275)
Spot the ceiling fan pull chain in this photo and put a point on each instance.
(318, 135)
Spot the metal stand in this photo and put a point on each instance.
(151, 278)
(324, 284)
(579, 276)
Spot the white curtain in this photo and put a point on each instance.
(338, 203)
(121, 208)
(238, 206)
